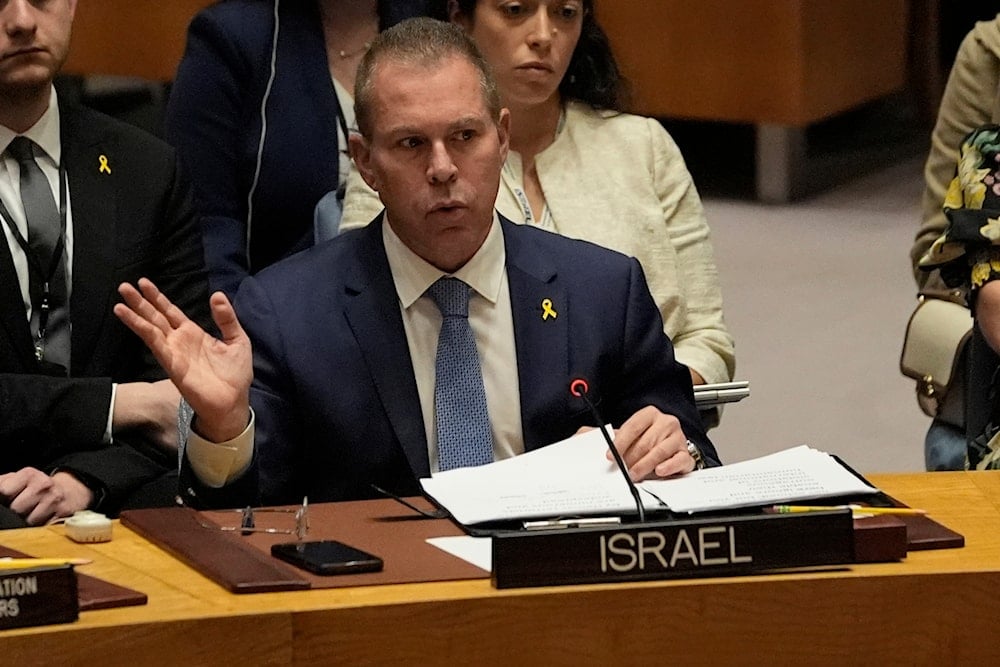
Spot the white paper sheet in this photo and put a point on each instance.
(573, 477)
(475, 550)
(799, 473)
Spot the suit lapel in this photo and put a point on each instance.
(374, 317)
(542, 339)
(93, 194)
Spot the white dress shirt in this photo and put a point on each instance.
(492, 326)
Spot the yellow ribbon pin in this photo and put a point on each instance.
(547, 309)
(105, 169)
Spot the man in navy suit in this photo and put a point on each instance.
(87, 418)
(344, 335)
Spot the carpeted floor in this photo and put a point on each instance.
(817, 294)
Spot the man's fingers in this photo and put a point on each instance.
(174, 316)
(44, 509)
(143, 310)
(644, 455)
(225, 318)
(30, 501)
(652, 442)
(637, 435)
(12, 484)
(681, 462)
(140, 327)
(640, 454)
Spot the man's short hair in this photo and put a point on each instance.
(421, 42)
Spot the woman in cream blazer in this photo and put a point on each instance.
(581, 168)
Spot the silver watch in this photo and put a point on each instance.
(699, 460)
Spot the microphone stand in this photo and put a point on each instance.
(579, 388)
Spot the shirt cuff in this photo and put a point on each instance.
(216, 464)
(108, 438)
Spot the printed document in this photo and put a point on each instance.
(574, 478)
(799, 473)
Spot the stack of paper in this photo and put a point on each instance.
(574, 478)
(800, 473)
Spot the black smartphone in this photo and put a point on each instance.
(327, 557)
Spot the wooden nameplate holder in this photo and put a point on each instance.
(94, 593)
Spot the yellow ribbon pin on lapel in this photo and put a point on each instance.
(548, 310)
(105, 168)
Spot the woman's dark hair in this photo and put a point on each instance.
(593, 76)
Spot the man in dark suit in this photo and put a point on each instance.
(347, 336)
(87, 419)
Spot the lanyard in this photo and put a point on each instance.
(35, 264)
(345, 152)
(545, 222)
(512, 181)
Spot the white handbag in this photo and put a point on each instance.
(934, 353)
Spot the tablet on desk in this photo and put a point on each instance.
(709, 395)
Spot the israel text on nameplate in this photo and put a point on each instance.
(693, 547)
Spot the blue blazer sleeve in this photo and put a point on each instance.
(651, 374)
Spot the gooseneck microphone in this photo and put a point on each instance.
(579, 388)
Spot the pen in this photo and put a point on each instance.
(24, 563)
(859, 509)
(580, 522)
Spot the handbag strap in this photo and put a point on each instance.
(944, 294)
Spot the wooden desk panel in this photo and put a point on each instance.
(780, 65)
(785, 62)
(143, 38)
(913, 612)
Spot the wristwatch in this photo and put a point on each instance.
(699, 461)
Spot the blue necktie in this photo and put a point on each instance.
(464, 437)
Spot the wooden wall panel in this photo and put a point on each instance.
(143, 38)
(789, 62)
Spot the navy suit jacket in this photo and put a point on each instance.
(135, 221)
(334, 393)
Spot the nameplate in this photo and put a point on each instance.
(673, 549)
(39, 596)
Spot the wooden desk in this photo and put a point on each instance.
(935, 608)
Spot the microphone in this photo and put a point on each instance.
(579, 388)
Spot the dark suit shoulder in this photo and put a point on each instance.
(84, 126)
(352, 258)
(533, 249)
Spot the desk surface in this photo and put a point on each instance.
(919, 611)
